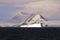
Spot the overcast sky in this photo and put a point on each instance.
(48, 8)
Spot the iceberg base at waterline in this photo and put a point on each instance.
(31, 25)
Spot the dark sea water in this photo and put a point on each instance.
(17, 33)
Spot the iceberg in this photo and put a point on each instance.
(29, 20)
(32, 25)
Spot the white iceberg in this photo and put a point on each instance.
(29, 20)
(32, 25)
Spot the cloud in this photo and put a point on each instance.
(16, 3)
(46, 8)
(54, 22)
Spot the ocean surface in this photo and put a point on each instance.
(17, 33)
